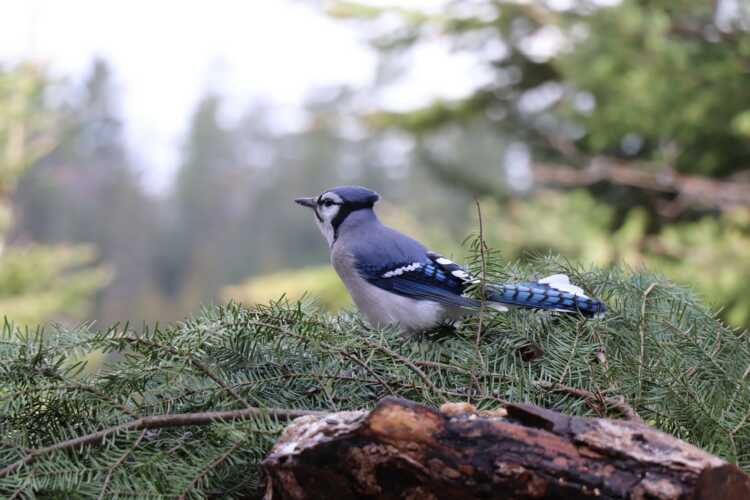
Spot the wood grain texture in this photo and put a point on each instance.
(409, 451)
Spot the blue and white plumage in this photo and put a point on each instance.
(394, 280)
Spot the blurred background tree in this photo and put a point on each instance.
(635, 108)
(37, 282)
(603, 131)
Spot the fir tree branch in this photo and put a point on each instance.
(157, 422)
(104, 396)
(197, 363)
(370, 371)
(208, 468)
(573, 354)
(642, 331)
(409, 364)
(374, 345)
(618, 403)
(119, 462)
(693, 379)
(435, 364)
(286, 331)
(483, 262)
(331, 403)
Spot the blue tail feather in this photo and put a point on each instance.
(537, 295)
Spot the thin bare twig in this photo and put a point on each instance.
(157, 422)
(483, 282)
(208, 468)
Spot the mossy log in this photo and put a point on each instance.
(406, 450)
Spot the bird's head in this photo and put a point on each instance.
(333, 206)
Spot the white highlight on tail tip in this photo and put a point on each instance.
(497, 307)
(401, 270)
(562, 283)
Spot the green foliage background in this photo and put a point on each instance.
(658, 87)
(37, 282)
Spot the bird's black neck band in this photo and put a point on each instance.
(343, 213)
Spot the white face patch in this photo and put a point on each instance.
(327, 207)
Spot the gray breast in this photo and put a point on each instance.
(382, 308)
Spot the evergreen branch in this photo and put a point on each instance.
(618, 403)
(286, 331)
(642, 332)
(119, 462)
(104, 396)
(573, 354)
(710, 357)
(740, 424)
(691, 380)
(470, 373)
(202, 366)
(331, 403)
(157, 422)
(483, 262)
(688, 389)
(382, 348)
(370, 371)
(208, 468)
(407, 363)
(197, 363)
(289, 376)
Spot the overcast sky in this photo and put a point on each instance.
(166, 54)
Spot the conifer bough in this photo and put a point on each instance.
(192, 410)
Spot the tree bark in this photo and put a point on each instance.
(405, 450)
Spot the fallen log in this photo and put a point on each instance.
(406, 450)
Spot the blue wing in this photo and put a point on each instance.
(423, 279)
(428, 276)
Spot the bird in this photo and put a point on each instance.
(396, 281)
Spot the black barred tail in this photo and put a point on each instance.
(554, 293)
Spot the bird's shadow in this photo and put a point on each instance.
(440, 332)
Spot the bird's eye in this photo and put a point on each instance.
(327, 203)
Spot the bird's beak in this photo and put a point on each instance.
(305, 202)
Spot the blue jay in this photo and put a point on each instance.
(394, 280)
